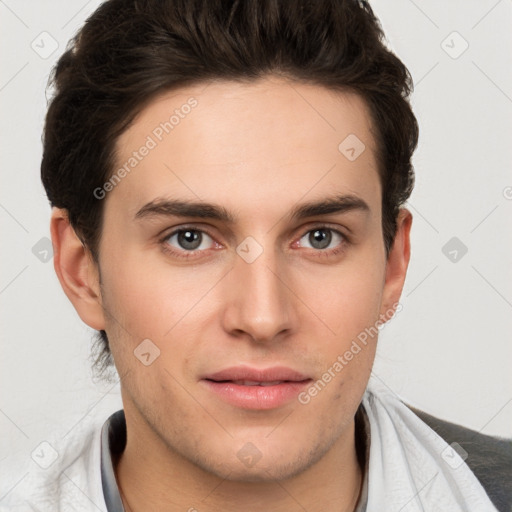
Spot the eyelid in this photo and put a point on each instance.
(327, 226)
(304, 230)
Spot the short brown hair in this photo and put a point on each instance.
(129, 51)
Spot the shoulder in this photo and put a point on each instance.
(61, 473)
(489, 457)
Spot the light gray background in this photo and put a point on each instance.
(448, 352)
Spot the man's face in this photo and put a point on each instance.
(262, 290)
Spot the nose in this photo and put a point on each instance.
(258, 300)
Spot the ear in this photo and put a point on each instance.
(397, 263)
(77, 272)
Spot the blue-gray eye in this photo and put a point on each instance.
(190, 240)
(321, 238)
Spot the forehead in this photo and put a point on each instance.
(240, 138)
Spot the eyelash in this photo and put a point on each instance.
(194, 254)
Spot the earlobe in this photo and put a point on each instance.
(76, 270)
(397, 263)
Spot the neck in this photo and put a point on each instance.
(151, 477)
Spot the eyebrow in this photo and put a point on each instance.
(185, 208)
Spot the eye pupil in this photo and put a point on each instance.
(320, 238)
(189, 239)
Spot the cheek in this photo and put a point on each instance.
(346, 298)
(138, 305)
(150, 298)
(168, 306)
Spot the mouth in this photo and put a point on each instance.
(250, 388)
(253, 383)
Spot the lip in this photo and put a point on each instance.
(280, 385)
(259, 375)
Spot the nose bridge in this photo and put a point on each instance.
(259, 301)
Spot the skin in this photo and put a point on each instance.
(258, 149)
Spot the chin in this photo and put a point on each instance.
(252, 466)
